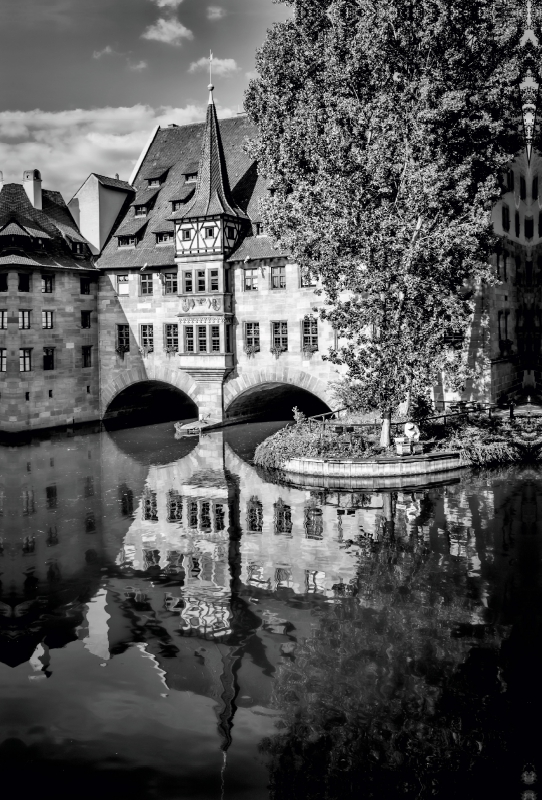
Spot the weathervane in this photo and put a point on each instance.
(210, 68)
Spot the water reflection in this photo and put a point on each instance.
(168, 615)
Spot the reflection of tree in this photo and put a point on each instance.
(389, 697)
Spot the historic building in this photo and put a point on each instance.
(169, 280)
(193, 294)
(48, 311)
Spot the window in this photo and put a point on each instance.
(228, 337)
(170, 283)
(48, 358)
(78, 248)
(85, 286)
(24, 282)
(279, 335)
(140, 211)
(254, 516)
(176, 204)
(202, 338)
(505, 217)
(123, 338)
(282, 517)
(251, 280)
(24, 320)
(29, 506)
(313, 523)
(86, 352)
(123, 286)
(529, 227)
(214, 280)
(85, 319)
(47, 284)
(51, 497)
(150, 507)
(126, 500)
(192, 177)
(259, 229)
(510, 180)
(186, 235)
(215, 339)
(3, 282)
(201, 280)
(3, 359)
(127, 241)
(164, 238)
(252, 336)
(46, 319)
(188, 282)
(25, 359)
(230, 232)
(172, 337)
(278, 277)
(192, 514)
(308, 278)
(209, 233)
(146, 284)
(189, 339)
(310, 333)
(147, 338)
(153, 182)
(517, 224)
(3, 319)
(174, 506)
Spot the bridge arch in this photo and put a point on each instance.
(250, 380)
(172, 378)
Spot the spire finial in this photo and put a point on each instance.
(211, 87)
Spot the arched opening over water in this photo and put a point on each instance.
(147, 403)
(275, 401)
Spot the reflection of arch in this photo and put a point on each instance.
(175, 378)
(273, 375)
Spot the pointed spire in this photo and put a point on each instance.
(213, 195)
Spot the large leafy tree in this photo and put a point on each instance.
(383, 126)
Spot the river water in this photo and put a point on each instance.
(174, 624)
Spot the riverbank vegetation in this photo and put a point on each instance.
(481, 441)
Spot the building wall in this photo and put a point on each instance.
(75, 389)
(95, 209)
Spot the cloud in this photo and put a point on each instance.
(168, 31)
(107, 51)
(137, 66)
(168, 3)
(68, 145)
(221, 66)
(215, 12)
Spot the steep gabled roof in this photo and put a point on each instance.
(113, 183)
(213, 195)
(14, 229)
(53, 225)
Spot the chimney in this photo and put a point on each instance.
(32, 186)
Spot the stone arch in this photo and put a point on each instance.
(175, 378)
(295, 377)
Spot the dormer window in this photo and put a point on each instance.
(191, 177)
(164, 238)
(176, 204)
(153, 182)
(78, 248)
(127, 241)
(259, 229)
(140, 211)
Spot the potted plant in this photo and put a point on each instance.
(308, 350)
(277, 350)
(121, 350)
(251, 350)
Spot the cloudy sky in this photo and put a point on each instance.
(85, 81)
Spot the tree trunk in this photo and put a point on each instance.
(385, 438)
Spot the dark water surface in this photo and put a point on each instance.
(174, 625)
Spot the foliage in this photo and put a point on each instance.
(383, 127)
(485, 442)
(393, 694)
